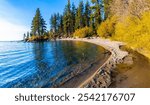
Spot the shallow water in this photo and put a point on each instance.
(136, 75)
(36, 65)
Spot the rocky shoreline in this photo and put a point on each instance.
(102, 77)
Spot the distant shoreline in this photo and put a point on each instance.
(14, 41)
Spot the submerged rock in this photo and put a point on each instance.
(128, 60)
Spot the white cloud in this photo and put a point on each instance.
(11, 27)
(10, 31)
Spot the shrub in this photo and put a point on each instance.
(107, 28)
(38, 38)
(135, 32)
(83, 32)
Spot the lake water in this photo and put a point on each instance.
(42, 65)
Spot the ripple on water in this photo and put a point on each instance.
(43, 64)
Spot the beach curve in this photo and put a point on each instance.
(104, 71)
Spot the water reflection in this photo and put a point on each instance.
(44, 64)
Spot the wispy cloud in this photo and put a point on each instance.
(10, 31)
(16, 15)
(10, 24)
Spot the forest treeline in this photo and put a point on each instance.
(123, 20)
(85, 18)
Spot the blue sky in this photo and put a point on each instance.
(16, 15)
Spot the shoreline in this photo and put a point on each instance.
(135, 74)
(101, 76)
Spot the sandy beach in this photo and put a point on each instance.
(112, 46)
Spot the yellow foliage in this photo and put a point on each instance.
(107, 28)
(32, 38)
(83, 32)
(135, 32)
(38, 38)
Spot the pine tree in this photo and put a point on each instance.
(80, 16)
(65, 24)
(43, 26)
(61, 27)
(67, 19)
(59, 24)
(92, 23)
(77, 20)
(33, 27)
(97, 12)
(38, 26)
(24, 36)
(87, 14)
(73, 16)
(28, 34)
(53, 22)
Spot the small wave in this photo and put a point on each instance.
(42, 64)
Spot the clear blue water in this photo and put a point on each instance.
(37, 65)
